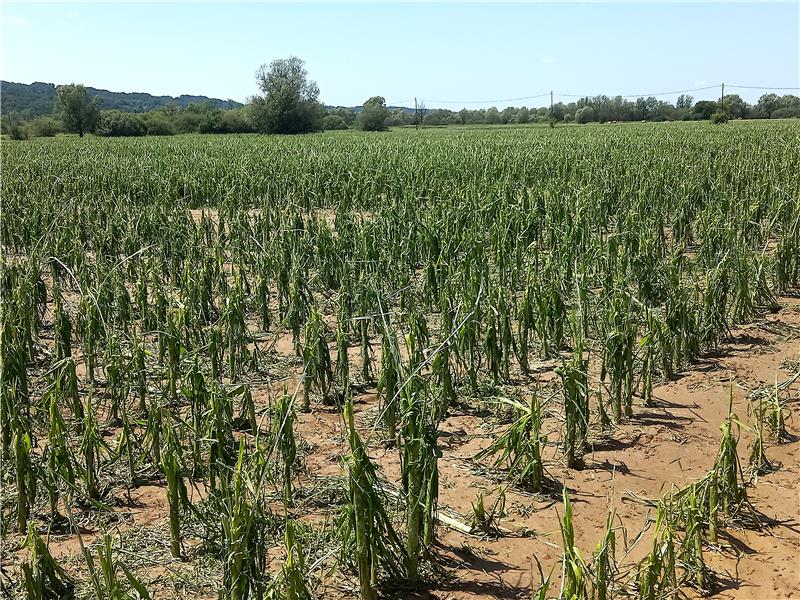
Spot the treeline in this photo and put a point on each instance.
(207, 118)
(604, 109)
(168, 120)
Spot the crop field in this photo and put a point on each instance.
(455, 364)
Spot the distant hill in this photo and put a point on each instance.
(358, 109)
(35, 99)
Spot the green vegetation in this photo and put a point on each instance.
(148, 282)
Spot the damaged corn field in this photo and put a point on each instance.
(456, 364)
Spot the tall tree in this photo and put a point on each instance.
(290, 101)
(734, 104)
(373, 115)
(684, 101)
(76, 110)
(767, 104)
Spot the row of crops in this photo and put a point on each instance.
(145, 281)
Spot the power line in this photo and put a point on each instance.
(759, 87)
(565, 95)
(700, 89)
(488, 101)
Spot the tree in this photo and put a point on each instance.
(720, 117)
(703, 110)
(767, 104)
(684, 101)
(558, 111)
(523, 116)
(290, 101)
(333, 122)
(492, 115)
(73, 106)
(115, 123)
(734, 104)
(508, 115)
(788, 107)
(584, 115)
(347, 115)
(373, 115)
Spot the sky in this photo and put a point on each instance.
(447, 55)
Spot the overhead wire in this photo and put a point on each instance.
(566, 95)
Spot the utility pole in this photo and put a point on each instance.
(416, 114)
(722, 98)
(551, 103)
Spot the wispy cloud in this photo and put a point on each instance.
(704, 82)
(546, 60)
(13, 22)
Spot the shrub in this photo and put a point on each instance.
(790, 112)
(158, 124)
(374, 115)
(44, 127)
(584, 115)
(235, 121)
(333, 122)
(115, 123)
(721, 116)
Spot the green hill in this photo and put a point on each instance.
(34, 99)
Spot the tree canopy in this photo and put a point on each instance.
(373, 115)
(290, 99)
(76, 110)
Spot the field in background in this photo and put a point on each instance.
(606, 313)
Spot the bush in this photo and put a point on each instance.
(374, 115)
(584, 115)
(17, 132)
(333, 122)
(791, 112)
(44, 127)
(158, 124)
(115, 123)
(721, 116)
(235, 121)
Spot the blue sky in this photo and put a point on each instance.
(436, 52)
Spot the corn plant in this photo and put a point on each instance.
(487, 521)
(292, 582)
(92, 444)
(657, 576)
(758, 463)
(388, 382)
(283, 433)
(58, 464)
(775, 417)
(106, 583)
(245, 523)
(576, 407)
(519, 448)
(317, 369)
(574, 571)
(368, 537)
(172, 467)
(24, 472)
(418, 457)
(44, 578)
